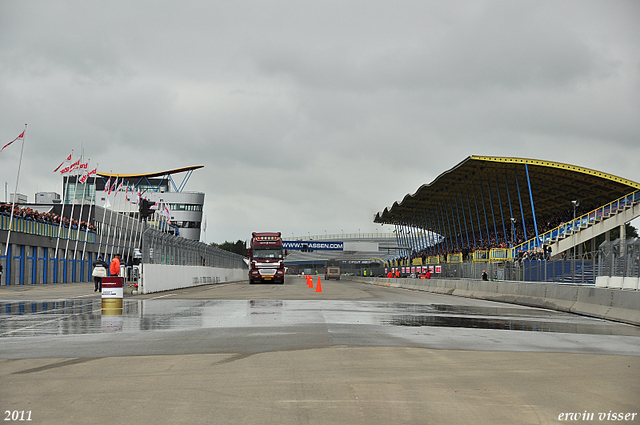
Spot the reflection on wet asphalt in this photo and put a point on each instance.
(77, 317)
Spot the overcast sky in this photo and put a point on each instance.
(311, 116)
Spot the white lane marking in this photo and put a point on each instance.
(162, 296)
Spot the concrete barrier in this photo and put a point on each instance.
(163, 277)
(602, 281)
(615, 282)
(625, 307)
(632, 283)
(606, 303)
(593, 301)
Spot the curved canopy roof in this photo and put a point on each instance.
(482, 185)
(150, 175)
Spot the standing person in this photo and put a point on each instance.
(99, 271)
(484, 275)
(114, 268)
(1, 274)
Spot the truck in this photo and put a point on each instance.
(332, 270)
(266, 258)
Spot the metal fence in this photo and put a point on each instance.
(581, 269)
(158, 247)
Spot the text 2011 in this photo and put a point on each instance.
(17, 415)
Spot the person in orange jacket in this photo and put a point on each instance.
(114, 267)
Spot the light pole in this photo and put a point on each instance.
(573, 228)
(513, 232)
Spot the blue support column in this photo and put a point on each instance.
(429, 224)
(451, 232)
(34, 263)
(458, 230)
(475, 197)
(436, 222)
(486, 220)
(403, 237)
(398, 240)
(427, 232)
(464, 218)
(425, 243)
(473, 230)
(436, 237)
(443, 230)
(459, 223)
(524, 224)
(506, 182)
(22, 264)
(504, 229)
(493, 215)
(7, 269)
(533, 211)
(45, 266)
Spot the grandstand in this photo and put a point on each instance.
(504, 210)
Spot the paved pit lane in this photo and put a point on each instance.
(295, 324)
(284, 354)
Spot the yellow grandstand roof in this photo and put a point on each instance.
(492, 183)
(156, 174)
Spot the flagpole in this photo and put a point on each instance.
(117, 218)
(86, 236)
(61, 213)
(110, 220)
(128, 220)
(104, 215)
(84, 191)
(15, 195)
(137, 226)
(73, 204)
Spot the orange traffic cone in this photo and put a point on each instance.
(309, 282)
(319, 287)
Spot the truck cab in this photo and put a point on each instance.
(266, 258)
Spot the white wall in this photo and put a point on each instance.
(162, 277)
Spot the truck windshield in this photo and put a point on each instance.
(267, 253)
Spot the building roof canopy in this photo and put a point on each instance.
(483, 185)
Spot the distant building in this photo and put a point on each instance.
(47, 198)
(185, 207)
(19, 198)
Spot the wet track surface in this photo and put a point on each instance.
(79, 317)
(286, 354)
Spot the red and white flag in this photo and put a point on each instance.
(112, 188)
(62, 163)
(84, 178)
(20, 137)
(108, 186)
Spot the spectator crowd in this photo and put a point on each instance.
(45, 217)
(480, 241)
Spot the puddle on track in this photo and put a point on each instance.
(75, 317)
